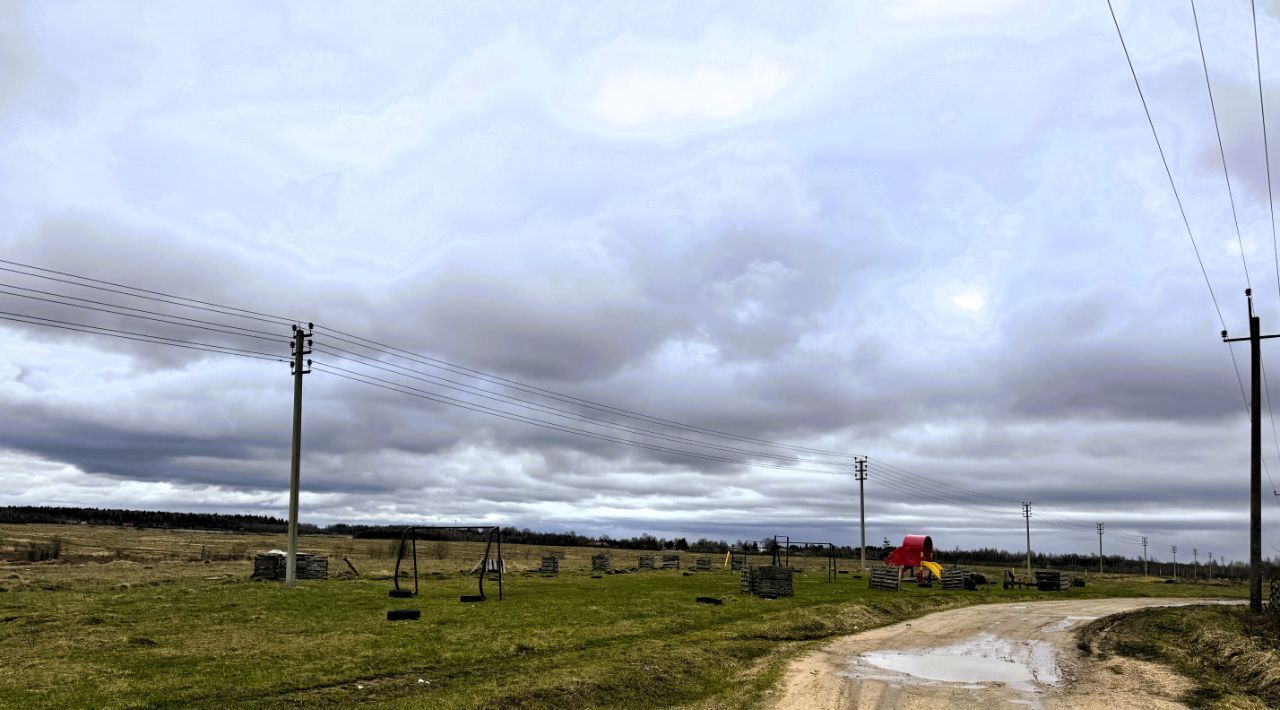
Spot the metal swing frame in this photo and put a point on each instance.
(410, 536)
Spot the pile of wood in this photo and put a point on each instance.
(671, 562)
(646, 562)
(702, 564)
(599, 563)
(550, 565)
(886, 577)
(271, 565)
(1052, 581)
(768, 581)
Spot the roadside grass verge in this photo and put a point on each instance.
(1232, 656)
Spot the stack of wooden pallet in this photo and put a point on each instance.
(646, 562)
(1052, 581)
(599, 563)
(671, 562)
(953, 578)
(702, 564)
(271, 565)
(550, 565)
(886, 578)
(738, 562)
(767, 581)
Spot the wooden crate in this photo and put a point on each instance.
(550, 565)
(599, 563)
(1052, 581)
(767, 581)
(671, 562)
(273, 566)
(886, 578)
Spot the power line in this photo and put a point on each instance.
(455, 385)
(559, 396)
(501, 414)
(1266, 146)
(161, 297)
(157, 317)
(140, 337)
(1222, 153)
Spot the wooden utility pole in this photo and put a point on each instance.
(862, 511)
(1175, 562)
(301, 346)
(1026, 513)
(1144, 555)
(1099, 548)
(1195, 563)
(1255, 453)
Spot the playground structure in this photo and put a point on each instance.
(486, 565)
(916, 553)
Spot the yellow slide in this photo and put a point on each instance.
(933, 567)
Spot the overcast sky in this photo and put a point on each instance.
(937, 235)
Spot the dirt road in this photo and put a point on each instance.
(992, 656)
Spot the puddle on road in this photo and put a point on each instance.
(984, 659)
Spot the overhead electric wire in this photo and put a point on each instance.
(1266, 146)
(455, 385)
(452, 401)
(1222, 153)
(139, 337)
(207, 326)
(527, 388)
(158, 296)
(885, 465)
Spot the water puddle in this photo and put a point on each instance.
(1024, 666)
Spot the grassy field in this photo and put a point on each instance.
(159, 619)
(1232, 656)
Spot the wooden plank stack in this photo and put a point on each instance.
(767, 581)
(671, 562)
(1052, 581)
(646, 562)
(599, 563)
(702, 564)
(272, 565)
(953, 578)
(550, 565)
(886, 578)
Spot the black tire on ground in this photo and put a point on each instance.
(403, 614)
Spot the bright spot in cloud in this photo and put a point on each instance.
(645, 97)
(971, 300)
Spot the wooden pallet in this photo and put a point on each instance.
(767, 581)
(550, 565)
(953, 578)
(599, 563)
(671, 562)
(886, 578)
(267, 566)
(1052, 581)
(646, 562)
(702, 564)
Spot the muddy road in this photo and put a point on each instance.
(992, 656)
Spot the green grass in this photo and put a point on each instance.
(186, 634)
(1231, 655)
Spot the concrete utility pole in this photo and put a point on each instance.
(301, 346)
(1144, 555)
(1255, 453)
(1099, 548)
(862, 511)
(1175, 562)
(1026, 513)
